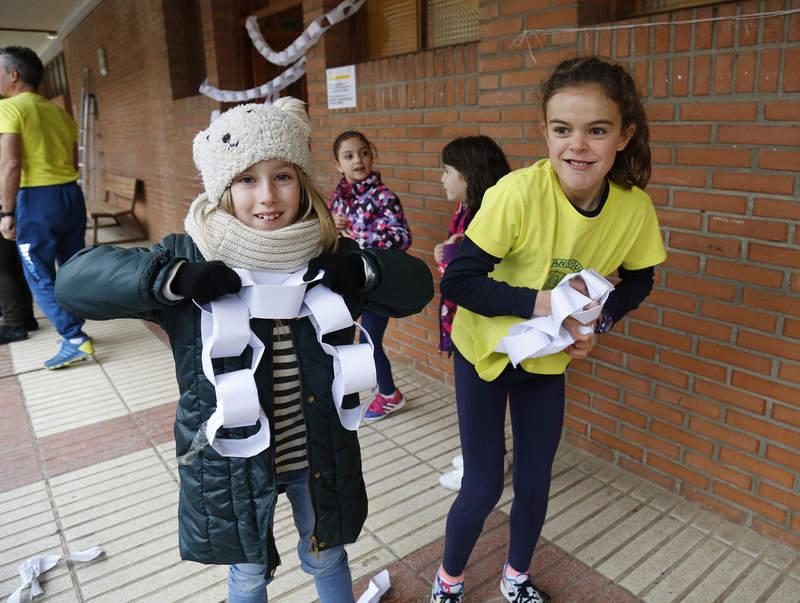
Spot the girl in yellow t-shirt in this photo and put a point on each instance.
(582, 207)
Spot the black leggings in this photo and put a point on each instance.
(537, 415)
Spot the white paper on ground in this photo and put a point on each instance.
(378, 585)
(30, 570)
(544, 335)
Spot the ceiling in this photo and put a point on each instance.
(55, 15)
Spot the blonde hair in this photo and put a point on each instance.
(312, 205)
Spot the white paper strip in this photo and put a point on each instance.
(545, 335)
(378, 585)
(30, 570)
(225, 331)
(269, 90)
(303, 43)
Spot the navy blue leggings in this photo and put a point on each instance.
(375, 324)
(537, 416)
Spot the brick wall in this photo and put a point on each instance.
(699, 389)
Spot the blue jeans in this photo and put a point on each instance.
(375, 325)
(247, 582)
(51, 223)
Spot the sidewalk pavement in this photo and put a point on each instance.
(89, 460)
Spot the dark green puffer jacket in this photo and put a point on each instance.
(227, 504)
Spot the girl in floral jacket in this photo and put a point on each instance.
(366, 211)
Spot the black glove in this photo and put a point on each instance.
(344, 273)
(205, 281)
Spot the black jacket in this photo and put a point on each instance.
(227, 504)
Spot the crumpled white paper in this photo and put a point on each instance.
(378, 586)
(545, 335)
(30, 570)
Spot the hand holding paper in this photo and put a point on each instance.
(573, 308)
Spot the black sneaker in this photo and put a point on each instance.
(521, 590)
(9, 334)
(31, 324)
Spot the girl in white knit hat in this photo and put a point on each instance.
(260, 212)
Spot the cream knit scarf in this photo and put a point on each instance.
(222, 237)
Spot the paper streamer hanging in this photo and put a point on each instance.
(31, 569)
(225, 331)
(378, 585)
(296, 50)
(545, 335)
(269, 90)
(305, 40)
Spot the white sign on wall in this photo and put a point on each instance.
(341, 87)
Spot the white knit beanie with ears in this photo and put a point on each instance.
(247, 134)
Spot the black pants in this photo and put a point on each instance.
(15, 297)
(537, 416)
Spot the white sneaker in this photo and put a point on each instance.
(458, 462)
(452, 479)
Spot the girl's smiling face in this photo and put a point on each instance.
(354, 159)
(454, 184)
(583, 133)
(266, 196)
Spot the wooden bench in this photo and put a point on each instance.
(122, 192)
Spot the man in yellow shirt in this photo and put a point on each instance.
(41, 204)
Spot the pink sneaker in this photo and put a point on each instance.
(383, 405)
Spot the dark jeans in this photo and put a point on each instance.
(15, 297)
(537, 414)
(51, 223)
(375, 324)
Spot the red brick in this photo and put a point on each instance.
(779, 496)
(787, 458)
(649, 442)
(698, 326)
(771, 301)
(717, 432)
(710, 202)
(617, 444)
(679, 471)
(751, 502)
(656, 409)
(782, 110)
(710, 245)
(773, 183)
(778, 532)
(791, 75)
(672, 133)
(713, 503)
(756, 466)
(734, 356)
(701, 286)
(766, 429)
(766, 135)
(789, 372)
(682, 437)
(769, 69)
(701, 83)
(724, 393)
(664, 338)
(756, 229)
(715, 112)
(786, 415)
(737, 272)
(768, 345)
(707, 465)
(779, 160)
(591, 417)
(694, 365)
(723, 67)
(624, 379)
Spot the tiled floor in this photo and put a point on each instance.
(89, 460)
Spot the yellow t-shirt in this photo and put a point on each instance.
(48, 137)
(528, 222)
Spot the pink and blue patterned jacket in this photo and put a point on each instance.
(375, 213)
